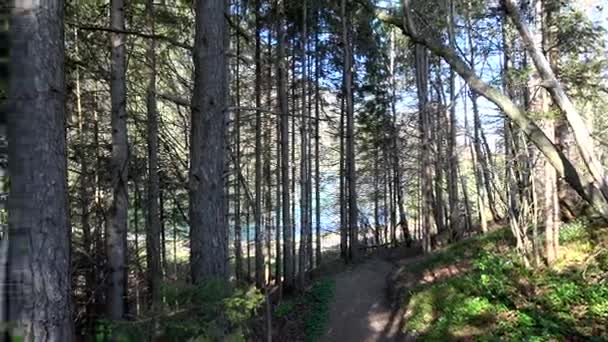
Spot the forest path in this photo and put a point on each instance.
(361, 311)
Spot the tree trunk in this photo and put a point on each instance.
(116, 240)
(288, 271)
(39, 279)
(475, 156)
(259, 253)
(303, 258)
(153, 213)
(238, 235)
(278, 260)
(351, 171)
(452, 142)
(317, 150)
(343, 193)
(208, 226)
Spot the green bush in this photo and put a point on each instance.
(284, 308)
(574, 231)
(211, 311)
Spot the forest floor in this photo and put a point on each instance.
(361, 310)
(478, 289)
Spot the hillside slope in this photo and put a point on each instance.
(477, 289)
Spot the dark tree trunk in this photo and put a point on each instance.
(317, 156)
(303, 257)
(288, 273)
(39, 280)
(208, 225)
(116, 239)
(351, 172)
(153, 213)
(238, 248)
(257, 213)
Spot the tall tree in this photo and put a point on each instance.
(259, 253)
(39, 226)
(208, 225)
(452, 148)
(317, 143)
(351, 172)
(303, 257)
(288, 257)
(154, 225)
(117, 231)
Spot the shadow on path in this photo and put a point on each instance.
(361, 310)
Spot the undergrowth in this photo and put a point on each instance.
(497, 298)
(212, 311)
(309, 311)
(319, 298)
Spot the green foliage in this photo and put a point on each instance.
(319, 298)
(212, 311)
(574, 231)
(284, 308)
(498, 298)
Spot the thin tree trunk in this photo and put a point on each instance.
(284, 123)
(350, 137)
(452, 142)
(426, 172)
(343, 193)
(153, 213)
(303, 259)
(278, 169)
(238, 235)
(317, 150)
(117, 232)
(259, 253)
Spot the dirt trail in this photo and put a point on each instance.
(361, 311)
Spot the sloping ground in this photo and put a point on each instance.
(361, 311)
(478, 290)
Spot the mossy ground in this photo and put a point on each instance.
(478, 289)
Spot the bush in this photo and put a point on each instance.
(574, 231)
(212, 311)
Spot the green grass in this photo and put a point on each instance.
(496, 298)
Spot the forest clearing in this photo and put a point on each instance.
(303, 170)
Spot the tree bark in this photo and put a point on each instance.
(118, 215)
(303, 258)
(452, 142)
(317, 149)
(39, 280)
(153, 213)
(288, 270)
(351, 171)
(208, 225)
(259, 253)
(238, 234)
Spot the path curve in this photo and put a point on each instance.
(361, 311)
